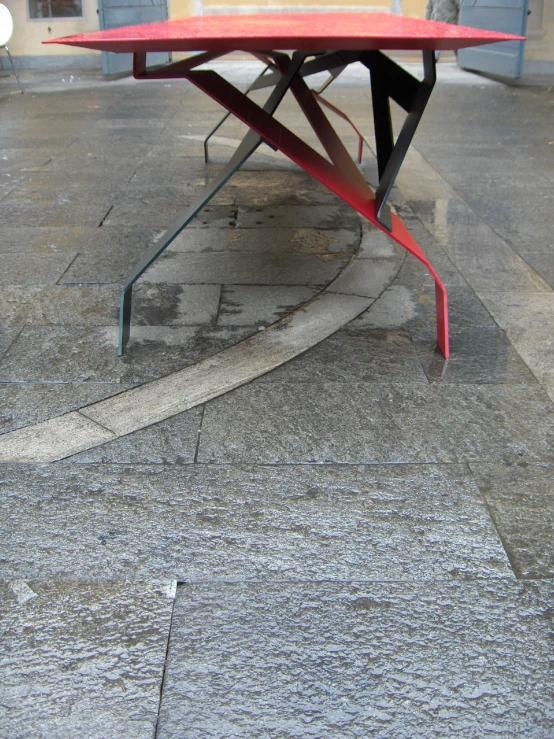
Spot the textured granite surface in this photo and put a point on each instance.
(211, 522)
(408, 596)
(380, 659)
(82, 658)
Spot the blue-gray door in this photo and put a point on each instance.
(117, 13)
(508, 16)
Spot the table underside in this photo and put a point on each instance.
(339, 173)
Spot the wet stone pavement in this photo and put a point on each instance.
(356, 542)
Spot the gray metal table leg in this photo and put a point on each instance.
(247, 147)
(14, 70)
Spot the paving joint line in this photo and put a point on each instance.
(93, 425)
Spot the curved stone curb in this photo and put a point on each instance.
(353, 290)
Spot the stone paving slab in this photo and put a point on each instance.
(429, 526)
(378, 423)
(415, 273)
(58, 305)
(24, 404)
(299, 216)
(478, 356)
(98, 305)
(260, 305)
(82, 354)
(164, 198)
(114, 145)
(254, 196)
(324, 243)
(201, 240)
(350, 356)
(511, 207)
(366, 277)
(528, 319)
(222, 372)
(14, 161)
(75, 178)
(161, 217)
(242, 268)
(53, 212)
(520, 499)
(7, 337)
(485, 260)
(110, 263)
(26, 269)
(229, 522)
(54, 239)
(543, 263)
(174, 441)
(82, 659)
(71, 432)
(388, 660)
(35, 141)
(413, 309)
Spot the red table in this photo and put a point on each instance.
(318, 42)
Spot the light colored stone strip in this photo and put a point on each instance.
(53, 439)
(350, 294)
(182, 390)
(155, 401)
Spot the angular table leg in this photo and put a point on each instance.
(249, 144)
(247, 147)
(222, 121)
(340, 176)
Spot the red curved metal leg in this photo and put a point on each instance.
(404, 238)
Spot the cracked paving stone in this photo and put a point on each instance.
(82, 659)
(520, 499)
(332, 422)
(389, 660)
(212, 522)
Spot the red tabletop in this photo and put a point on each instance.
(298, 31)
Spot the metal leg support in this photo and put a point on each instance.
(222, 121)
(388, 80)
(14, 71)
(340, 175)
(247, 147)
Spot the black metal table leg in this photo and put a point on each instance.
(247, 147)
(389, 80)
